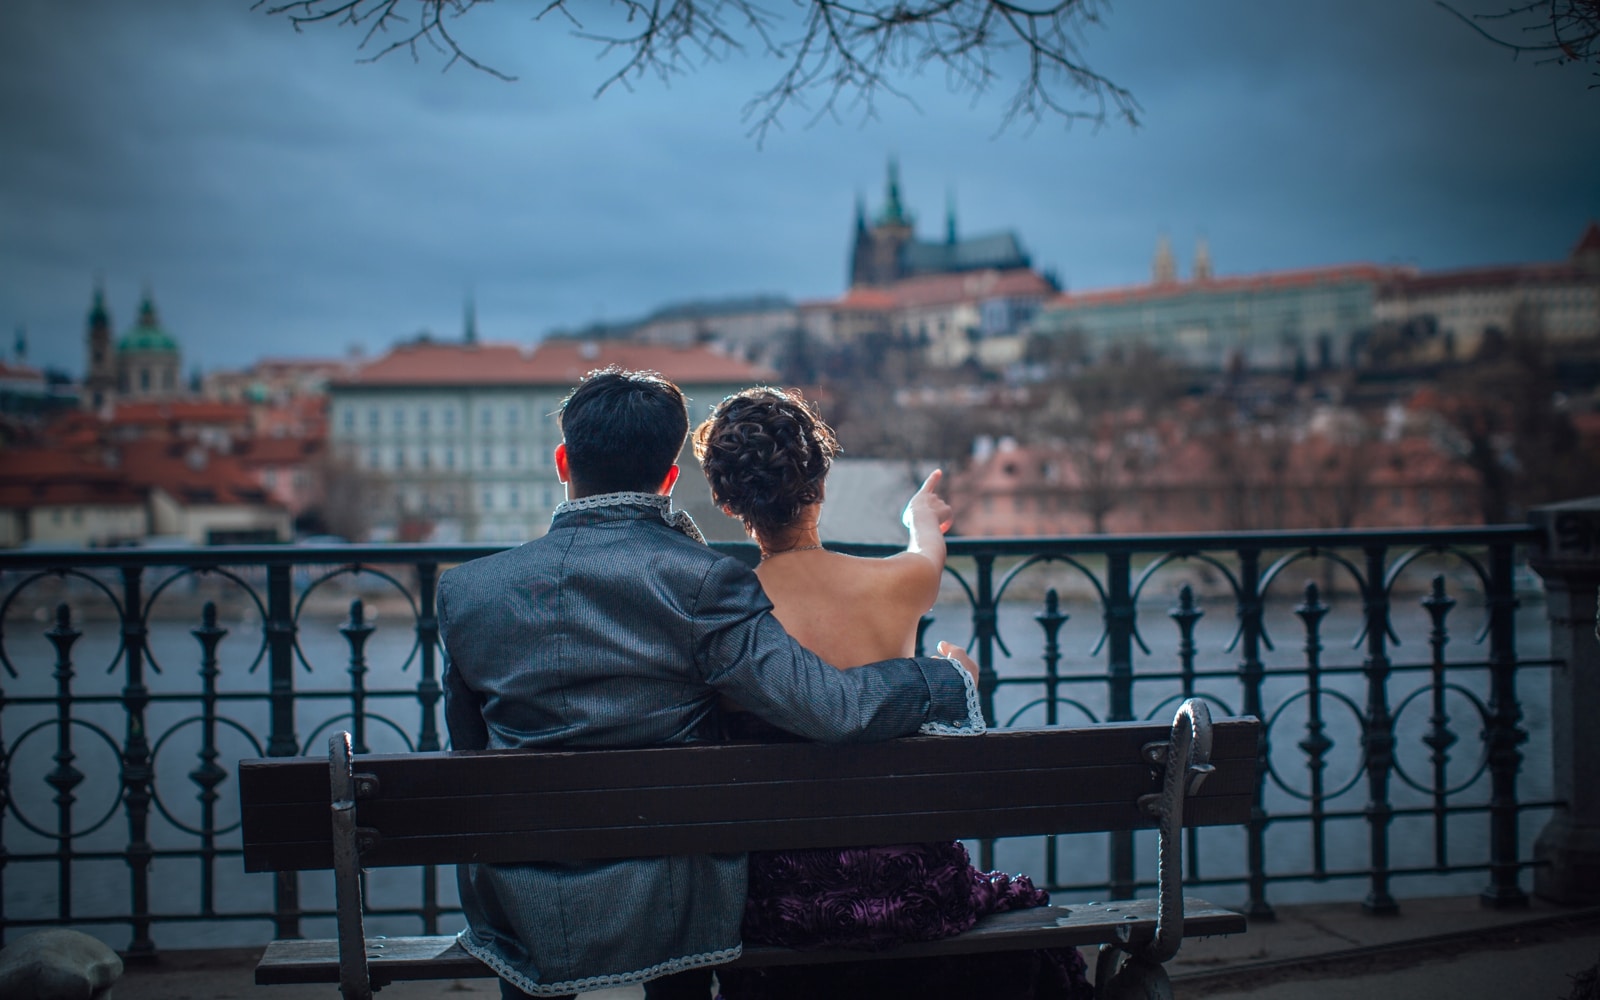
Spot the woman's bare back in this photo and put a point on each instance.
(849, 610)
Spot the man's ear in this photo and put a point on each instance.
(563, 471)
(667, 483)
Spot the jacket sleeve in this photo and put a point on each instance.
(743, 652)
(463, 708)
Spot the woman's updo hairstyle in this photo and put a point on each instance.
(765, 452)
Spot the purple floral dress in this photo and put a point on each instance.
(873, 898)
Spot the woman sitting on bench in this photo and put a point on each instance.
(766, 453)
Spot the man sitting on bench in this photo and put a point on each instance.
(620, 627)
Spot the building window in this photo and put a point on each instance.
(514, 499)
(372, 458)
(449, 458)
(488, 500)
(55, 516)
(373, 418)
(399, 458)
(449, 417)
(144, 380)
(399, 417)
(485, 416)
(349, 418)
(488, 459)
(422, 418)
(513, 416)
(549, 496)
(425, 458)
(512, 457)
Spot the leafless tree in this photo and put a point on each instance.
(1559, 31)
(833, 55)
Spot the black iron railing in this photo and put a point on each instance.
(133, 680)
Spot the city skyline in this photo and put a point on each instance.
(278, 198)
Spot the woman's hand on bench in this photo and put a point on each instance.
(960, 656)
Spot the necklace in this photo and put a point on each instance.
(798, 548)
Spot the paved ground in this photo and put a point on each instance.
(1445, 948)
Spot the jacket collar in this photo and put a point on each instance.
(624, 506)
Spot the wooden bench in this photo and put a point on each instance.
(547, 805)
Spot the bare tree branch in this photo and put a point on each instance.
(835, 55)
(1561, 31)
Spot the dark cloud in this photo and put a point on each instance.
(281, 198)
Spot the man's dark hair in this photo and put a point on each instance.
(623, 430)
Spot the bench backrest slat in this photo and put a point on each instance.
(506, 806)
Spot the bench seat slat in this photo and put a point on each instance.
(441, 957)
(708, 837)
(495, 812)
(280, 780)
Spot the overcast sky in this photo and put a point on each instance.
(280, 198)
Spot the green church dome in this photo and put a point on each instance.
(147, 335)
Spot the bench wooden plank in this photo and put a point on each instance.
(737, 837)
(428, 810)
(441, 957)
(724, 763)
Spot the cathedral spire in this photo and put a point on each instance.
(469, 321)
(894, 212)
(21, 344)
(861, 214)
(1164, 270)
(950, 217)
(147, 310)
(1202, 260)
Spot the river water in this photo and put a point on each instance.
(101, 886)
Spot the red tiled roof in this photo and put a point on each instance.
(109, 492)
(1266, 281)
(863, 299)
(181, 411)
(1589, 242)
(259, 451)
(970, 286)
(942, 289)
(191, 474)
(552, 362)
(188, 473)
(1484, 277)
(20, 372)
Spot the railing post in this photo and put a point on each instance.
(1119, 665)
(1316, 744)
(1440, 738)
(64, 778)
(428, 690)
(1503, 735)
(1568, 558)
(1377, 734)
(429, 694)
(209, 774)
(281, 738)
(1251, 675)
(985, 621)
(356, 631)
(137, 774)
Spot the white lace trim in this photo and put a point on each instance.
(973, 724)
(487, 956)
(679, 519)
